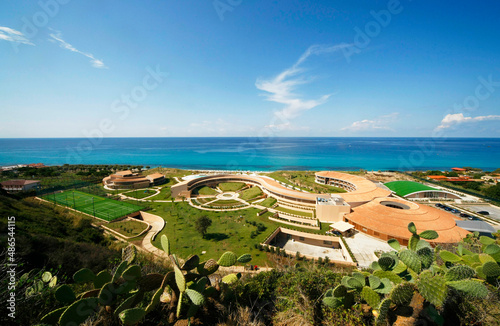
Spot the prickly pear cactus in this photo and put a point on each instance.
(402, 294)
(472, 287)
(459, 272)
(227, 259)
(370, 296)
(432, 288)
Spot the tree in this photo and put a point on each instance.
(202, 224)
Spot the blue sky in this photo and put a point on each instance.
(73, 68)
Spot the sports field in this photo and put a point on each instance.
(104, 208)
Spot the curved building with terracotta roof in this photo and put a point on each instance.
(388, 218)
(359, 190)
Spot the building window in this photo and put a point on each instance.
(301, 238)
(376, 233)
(365, 230)
(327, 242)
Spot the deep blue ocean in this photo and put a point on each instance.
(255, 154)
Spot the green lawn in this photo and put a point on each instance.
(206, 191)
(230, 186)
(128, 228)
(268, 202)
(291, 211)
(227, 203)
(250, 193)
(304, 180)
(228, 232)
(104, 208)
(140, 193)
(163, 195)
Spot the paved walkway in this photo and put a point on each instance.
(157, 224)
(363, 247)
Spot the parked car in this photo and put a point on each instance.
(464, 215)
(446, 208)
(455, 211)
(439, 205)
(484, 213)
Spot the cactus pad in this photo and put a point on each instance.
(154, 300)
(179, 279)
(191, 263)
(227, 259)
(150, 282)
(108, 294)
(339, 291)
(360, 277)
(165, 244)
(391, 276)
(459, 272)
(102, 278)
(486, 240)
(245, 258)
(386, 263)
(411, 259)
(449, 256)
(432, 288)
(354, 283)
(429, 235)
(133, 273)
(426, 256)
(473, 288)
(84, 275)
(412, 228)
(65, 294)
(119, 271)
(129, 253)
(370, 296)
(46, 276)
(196, 297)
(402, 294)
(332, 302)
(78, 312)
(374, 281)
(207, 268)
(383, 310)
(132, 316)
(491, 269)
(385, 286)
(231, 278)
(394, 244)
(52, 317)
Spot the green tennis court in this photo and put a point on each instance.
(104, 208)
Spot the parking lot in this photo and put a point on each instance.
(458, 214)
(493, 210)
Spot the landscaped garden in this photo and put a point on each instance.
(140, 193)
(205, 191)
(304, 180)
(268, 202)
(294, 212)
(230, 186)
(250, 193)
(229, 231)
(128, 228)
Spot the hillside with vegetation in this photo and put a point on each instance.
(69, 267)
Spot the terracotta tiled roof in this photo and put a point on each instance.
(155, 176)
(392, 221)
(19, 182)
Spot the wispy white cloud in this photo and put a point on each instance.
(57, 37)
(451, 120)
(281, 88)
(11, 35)
(380, 123)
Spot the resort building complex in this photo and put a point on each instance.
(370, 208)
(129, 180)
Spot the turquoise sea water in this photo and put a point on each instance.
(256, 154)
